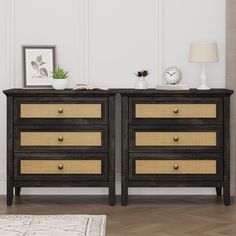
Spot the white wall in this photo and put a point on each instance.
(105, 41)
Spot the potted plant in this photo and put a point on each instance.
(142, 83)
(59, 78)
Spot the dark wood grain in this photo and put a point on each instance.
(111, 160)
(226, 189)
(220, 152)
(16, 152)
(10, 145)
(139, 92)
(124, 151)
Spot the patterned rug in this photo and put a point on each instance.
(57, 225)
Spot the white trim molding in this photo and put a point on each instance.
(159, 40)
(84, 33)
(10, 43)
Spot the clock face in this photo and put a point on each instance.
(172, 75)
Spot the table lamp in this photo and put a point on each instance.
(203, 53)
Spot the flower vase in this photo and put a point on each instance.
(141, 83)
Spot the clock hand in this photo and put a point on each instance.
(173, 74)
(169, 73)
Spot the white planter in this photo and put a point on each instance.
(141, 83)
(59, 84)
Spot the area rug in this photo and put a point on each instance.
(48, 225)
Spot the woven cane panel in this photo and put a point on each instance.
(52, 167)
(69, 138)
(167, 167)
(167, 138)
(67, 111)
(169, 110)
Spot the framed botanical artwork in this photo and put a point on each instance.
(38, 62)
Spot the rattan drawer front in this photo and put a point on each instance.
(175, 167)
(175, 111)
(176, 138)
(61, 139)
(61, 111)
(61, 167)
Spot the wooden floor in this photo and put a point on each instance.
(144, 216)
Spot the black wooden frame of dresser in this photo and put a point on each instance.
(65, 100)
(125, 103)
(175, 100)
(12, 95)
(176, 157)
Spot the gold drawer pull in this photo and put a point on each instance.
(176, 110)
(176, 167)
(60, 167)
(176, 139)
(60, 139)
(60, 110)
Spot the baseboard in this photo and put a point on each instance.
(104, 191)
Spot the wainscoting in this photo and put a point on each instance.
(104, 42)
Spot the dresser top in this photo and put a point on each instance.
(53, 92)
(175, 92)
(146, 92)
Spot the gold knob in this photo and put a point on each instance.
(60, 110)
(176, 110)
(176, 139)
(60, 167)
(60, 139)
(176, 167)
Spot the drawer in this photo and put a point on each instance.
(151, 139)
(81, 138)
(194, 110)
(61, 166)
(175, 167)
(179, 167)
(175, 138)
(91, 138)
(63, 110)
(177, 110)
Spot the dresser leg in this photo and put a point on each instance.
(9, 195)
(112, 195)
(226, 194)
(124, 193)
(219, 191)
(17, 191)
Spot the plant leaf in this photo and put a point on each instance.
(42, 63)
(39, 58)
(34, 65)
(43, 72)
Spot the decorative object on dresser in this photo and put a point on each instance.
(172, 76)
(142, 82)
(176, 139)
(59, 78)
(60, 139)
(203, 53)
(38, 62)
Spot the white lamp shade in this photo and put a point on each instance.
(203, 52)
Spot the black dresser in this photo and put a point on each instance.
(60, 139)
(176, 139)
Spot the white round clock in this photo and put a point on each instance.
(172, 75)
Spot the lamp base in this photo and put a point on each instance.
(203, 77)
(203, 87)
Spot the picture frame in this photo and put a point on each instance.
(38, 63)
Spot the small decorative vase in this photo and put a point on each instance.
(141, 83)
(59, 84)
